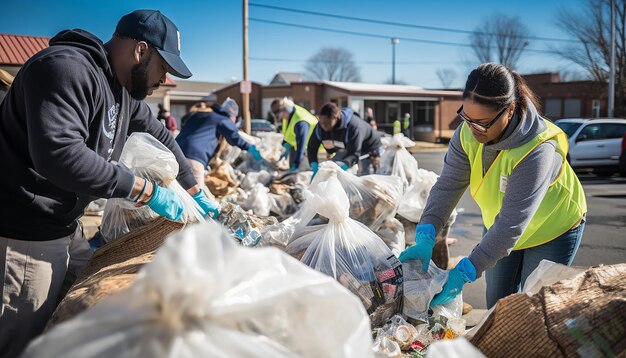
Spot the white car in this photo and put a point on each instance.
(594, 143)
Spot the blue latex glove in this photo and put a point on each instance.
(166, 203)
(423, 248)
(314, 167)
(255, 153)
(285, 153)
(293, 169)
(461, 274)
(343, 166)
(208, 207)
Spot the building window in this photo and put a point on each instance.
(571, 107)
(553, 108)
(424, 114)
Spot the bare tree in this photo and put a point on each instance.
(333, 64)
(446, 76)
(500, 38)
(591, 28)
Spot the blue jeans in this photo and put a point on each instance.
(510, 273)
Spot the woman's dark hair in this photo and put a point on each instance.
(330, 110)
(498, 86)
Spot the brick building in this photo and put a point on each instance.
(572, 99)
(433, 112)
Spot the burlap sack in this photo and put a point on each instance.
(584, 316)
(113, 267)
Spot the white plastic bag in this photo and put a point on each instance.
(414, 199)
(258, 201)
(373, 198)
(149, 159)
(548, 273)
(253, 178)
(203, 296)
(454, 348)
(350, 252)
(398, 161)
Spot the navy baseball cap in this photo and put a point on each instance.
(158, 31)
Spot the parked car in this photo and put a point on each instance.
(594, 143)
(258, 125)
(622, 158)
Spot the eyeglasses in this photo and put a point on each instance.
(478, 126)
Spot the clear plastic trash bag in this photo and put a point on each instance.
(397, 160)
(350, 252)
(203, 296)
(420, 288)
(414, 199)
(149, 159)
(372, 198)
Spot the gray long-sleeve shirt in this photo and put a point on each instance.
(526, 187)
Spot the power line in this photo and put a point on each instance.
(401, 24)
(365, 34)
(368, 62)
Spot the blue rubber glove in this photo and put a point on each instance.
(208, 207)
(293, 169)
(166, 203)
(461, 274)
(255, 153)
(423, 248)
(343, 166)
(314, 167)
(285, 153)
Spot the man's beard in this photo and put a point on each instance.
(139, 79)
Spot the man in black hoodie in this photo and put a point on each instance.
(63, 124)
(345, 134)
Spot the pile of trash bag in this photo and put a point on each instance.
(149, 159)
(203, 296)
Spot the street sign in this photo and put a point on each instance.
(245, 87)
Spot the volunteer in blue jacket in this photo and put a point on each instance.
(297, 125)
(514, 163)
(200, 136)
(345, 134)
(63, 125)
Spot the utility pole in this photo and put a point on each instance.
(612, 65)
(245, 96)
(394, 42)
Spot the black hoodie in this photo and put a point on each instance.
(63, 124)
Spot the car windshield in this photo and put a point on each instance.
(568, 127)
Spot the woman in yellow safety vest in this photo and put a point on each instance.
(514, 162)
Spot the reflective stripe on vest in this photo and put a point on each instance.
(563, 205)
(289, 131)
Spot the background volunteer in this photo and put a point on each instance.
(297, 125)
(345, 134)
(199, 138)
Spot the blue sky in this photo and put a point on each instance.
(212, 45)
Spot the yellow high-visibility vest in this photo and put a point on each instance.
(288, 129)
(562, 207)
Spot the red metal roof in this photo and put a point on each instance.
(15, 50)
